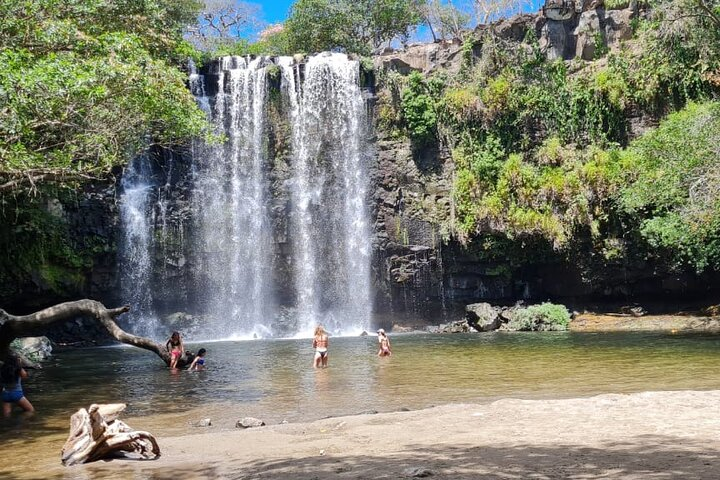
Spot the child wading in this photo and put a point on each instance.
(198, 362)
(11, 374)
(384, 342)
(320, 344)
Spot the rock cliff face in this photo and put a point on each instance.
(569, 36)
(419, 267)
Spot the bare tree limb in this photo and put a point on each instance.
(37, 324)
(15, 180)
(709, 12)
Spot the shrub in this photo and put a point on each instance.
(461, 105)
(544, 317)
(418, 109)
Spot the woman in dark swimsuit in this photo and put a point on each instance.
(11, 375)
(198, 362)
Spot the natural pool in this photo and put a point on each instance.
(273, 380)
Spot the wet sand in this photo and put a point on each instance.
(680, 322)
(637, 436)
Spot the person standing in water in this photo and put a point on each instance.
(176, 348)
(384, 342)
(320, 344)
(11, 375)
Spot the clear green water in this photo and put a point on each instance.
(273, 379)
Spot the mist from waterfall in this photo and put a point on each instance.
(233, 241)
(137, 215)
(330, 230)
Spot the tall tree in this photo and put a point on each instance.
(445, 20)
(491, 10)
(224, 22)
(354, 26)
(86, 85)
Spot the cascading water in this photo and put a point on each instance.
(330, 231)
(137, 217)
(227, 234)
(230, 201)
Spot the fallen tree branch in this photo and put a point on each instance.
(37, 323)
(96, 433)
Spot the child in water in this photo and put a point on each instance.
(11, 374)
(175, 346)
(384, 342)
(198, 362)
(320, 344)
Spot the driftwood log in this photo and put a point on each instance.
(12, 327)
(96, 433)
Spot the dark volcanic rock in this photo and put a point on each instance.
(483, 317)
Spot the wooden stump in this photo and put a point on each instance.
(96, 433)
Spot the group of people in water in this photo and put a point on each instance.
(176, 348)
(12, 373)
(321, 341)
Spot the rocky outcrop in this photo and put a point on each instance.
(459, 326)
(411, 198)
(483, 317)
(424, 58)
(572, 34)
(35, 349)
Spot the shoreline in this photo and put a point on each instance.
(671, 434)
(615, 322)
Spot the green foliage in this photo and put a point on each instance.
(389, 103)
(45, 26)
(600, 46)
(460, 105)
(496, 93)
(544, 154)
(616, 4)
(673, 189)
(36, 247)
(357, 26)
(84, 85)
(419, 108)
(544, 317)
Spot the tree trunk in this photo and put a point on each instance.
(35, 324)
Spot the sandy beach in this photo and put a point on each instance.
(637, 436)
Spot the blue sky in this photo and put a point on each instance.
(275, 11)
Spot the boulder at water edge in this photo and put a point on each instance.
(483, 317)
(249, 422)
(34, 349)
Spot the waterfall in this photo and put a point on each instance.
(211, 218)
(330, 230)
(136, 245)
(230, 200)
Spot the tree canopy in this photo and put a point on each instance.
(87, 84)
(356, 26)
